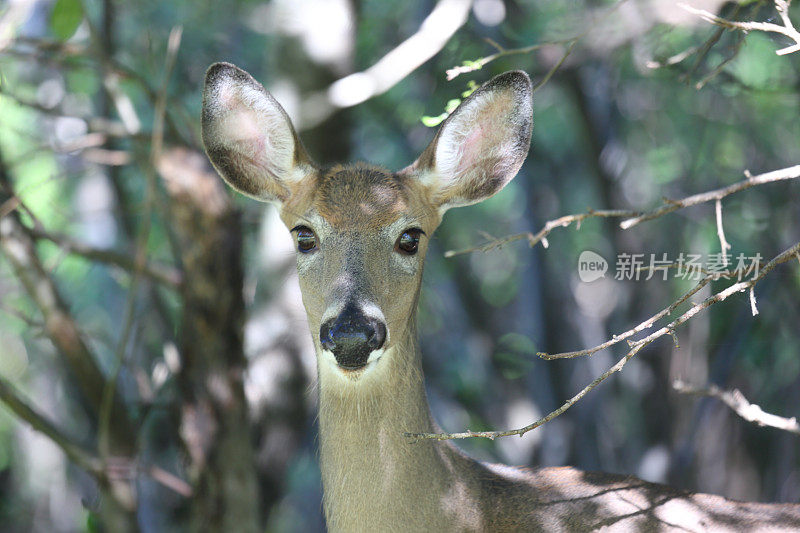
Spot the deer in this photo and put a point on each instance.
(361, 233)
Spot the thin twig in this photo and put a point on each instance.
(541, 235)
(160, 273)
(751, 181)
(77, 454)
(753, 308)
(647, 324)
(32, 324)
(60, 325)
(673, 59)
(555, 67)
(722, 64)
(521, 431)
(782, 6)
(739, 404)
(706, 47)
(54, 53)
(100, 128)
(470, 66)
(633, 218)
(173, 44)
(84, 458)
(169, 480)
(635, 347)
(723, 243)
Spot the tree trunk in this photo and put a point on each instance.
(214, 424)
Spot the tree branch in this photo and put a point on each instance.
(739, 404)
(122, 468)
(718, 194)
(63, 55)
(438, 27)
(781, 6)
(632, 218)
(60, 327)
(647, 324)
(140, 259)
(541, 235)
(82, 457)
(477, 64)
(635, 347)
(160, 273)
(723, 242)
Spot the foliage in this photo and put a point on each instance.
(639, 105)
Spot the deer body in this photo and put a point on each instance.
(377, 480)
(361, 234)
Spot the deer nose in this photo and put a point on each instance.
(352, 336)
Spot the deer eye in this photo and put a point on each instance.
(306, 240)
(408, 242)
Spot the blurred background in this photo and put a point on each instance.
(107, 205)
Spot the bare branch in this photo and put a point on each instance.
(156, 145)
(705, 49)
(721, 65)
(541, 235)
(164, 274)
(635, 347)
(633, 218)
(169, 480)
(782, 6)
(64, 55)
(753, 308)
(739, 404)
(444, 20)
(77, 454)
(470, 66)
(723, 243)
(673, 59)
(99, 127)
(647, 324)
(718, 194)
(60, 326)
(521, 431)
(555, 67)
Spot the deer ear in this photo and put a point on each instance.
(248, 136)
(481, 145)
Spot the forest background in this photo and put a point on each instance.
(155, 366)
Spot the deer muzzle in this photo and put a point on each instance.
(352, 336)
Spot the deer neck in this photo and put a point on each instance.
(373, 477)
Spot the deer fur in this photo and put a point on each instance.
(374, 478)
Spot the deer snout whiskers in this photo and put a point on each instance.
(353, 337)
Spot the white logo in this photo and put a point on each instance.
(591, 266)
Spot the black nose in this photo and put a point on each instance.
(352, 336)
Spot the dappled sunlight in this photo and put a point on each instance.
(163, 361)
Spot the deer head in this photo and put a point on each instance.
(362, 231)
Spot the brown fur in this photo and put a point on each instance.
(360, 196)
(374, 478)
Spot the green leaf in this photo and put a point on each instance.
(472, 86)
(452, 105)
(65, 18)
(432, 122)
(449, 107)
